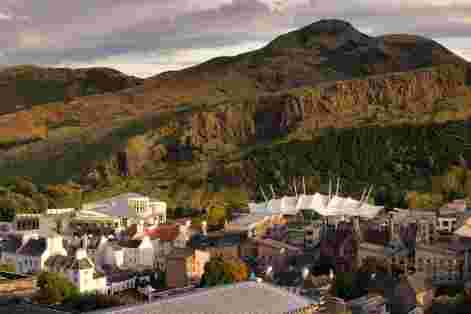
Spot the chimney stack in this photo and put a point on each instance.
(204, 228)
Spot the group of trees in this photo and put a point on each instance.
(220, 271)
(396, 160)
(22, 194)
(55, 288)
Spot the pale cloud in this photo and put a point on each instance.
(146, 65)
(32, 40)
(148, 36)
(5, 16)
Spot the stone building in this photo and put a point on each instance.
(185, 266)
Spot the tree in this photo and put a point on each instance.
(9, 268)
(344, 285)
(221, 271)
(24, 186)
(55, 288)
(42, 202)
(92, 301)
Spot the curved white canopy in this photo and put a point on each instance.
(335, 206)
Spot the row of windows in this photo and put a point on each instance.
(27, 224)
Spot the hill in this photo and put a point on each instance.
(24, 86)
(322, 101)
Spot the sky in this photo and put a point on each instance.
(147, 37)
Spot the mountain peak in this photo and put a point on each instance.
(328, 33)
(332, 26)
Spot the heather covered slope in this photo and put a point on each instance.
(22, 87)
(322, 101)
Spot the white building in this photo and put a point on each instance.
(129, 254)
(124, 210)
(79, 269)
(34, 251)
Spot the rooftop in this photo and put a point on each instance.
(245, 297)
(216, 239)
(180, 253)
(246, 221)
(162, 232)
(277, 244)
(67, 262)
(116, 206)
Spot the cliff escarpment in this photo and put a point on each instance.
(328, 105)
(226, 128)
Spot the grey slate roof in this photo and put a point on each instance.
(67, 262)
(34, 247)
(216, 239)
(245, 297)
(116, 206)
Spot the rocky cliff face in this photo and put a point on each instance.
(337, 105)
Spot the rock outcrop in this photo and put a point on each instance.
(330, 105)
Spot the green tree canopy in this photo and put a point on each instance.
(55, 288)
(9, 268)
(220, 271)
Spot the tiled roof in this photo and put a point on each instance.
(399, 293)
(277, 244)
(34, 247)
(246, 297)
(163, 233)
(83, 263)
(181, 253)
(61, 262)
(119, 276)
(116, 206)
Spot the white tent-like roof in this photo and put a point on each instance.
(288, 205)
(335, 206)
